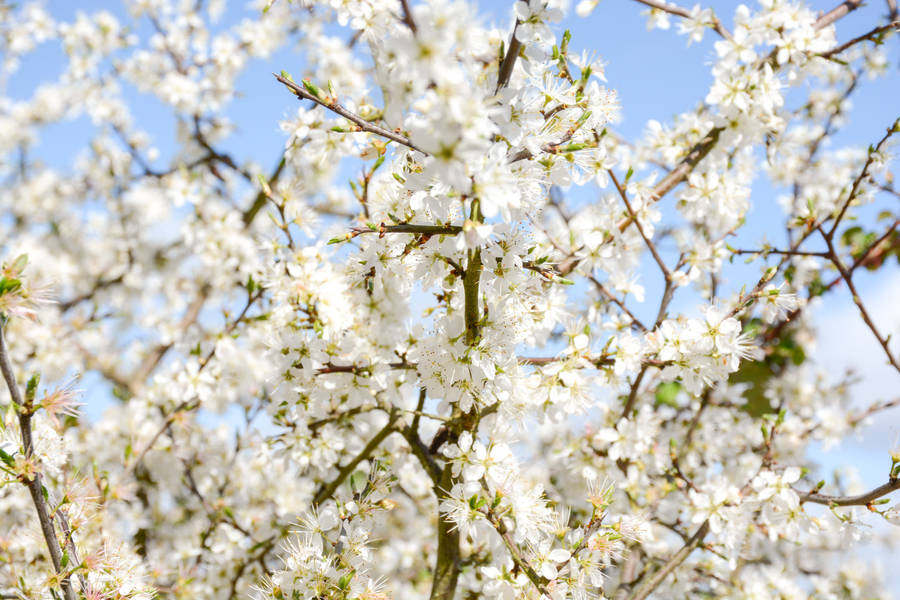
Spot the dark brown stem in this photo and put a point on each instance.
(894, 25)
(328, 490)
(767, 251)
(35, 488)
(612, 298)
(860, 500)
(650, 245)
(659, 576)
(854, 189)
(539, 582)
(863, 312)
(407, 16)
(838, 12)
(334, 107)
(409, 228)
(678, 11)
(633, 392)
(509, 60)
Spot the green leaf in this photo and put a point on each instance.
(312, 88)
(344, 581)
(9, 284)
(19, 263)
(31, 387)
(667, 393)
(7, 458)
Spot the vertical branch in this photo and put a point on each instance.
(408, 17)
(327, 490)
(470, 286)
(447, 564)
(35, 488)
(509, 60)
(471, 280)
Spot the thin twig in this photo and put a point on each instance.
(35, 488)
(861, 500)
(156, 355)
(685, 14)
(612, 298)
(328, 490)
(838, 12)
(334, 107)
(863, 312)
(659, 576)
(650, 245)
(408, 228)
(894, 25)
(539, 582)
(767, 251)
(509, 60)
(854, 189)
(407, 16)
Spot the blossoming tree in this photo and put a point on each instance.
(441, 379)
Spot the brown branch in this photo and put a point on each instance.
(650, 245)
(418, 447)
(447, 560)
(709, 141)
(894, 128)
(359, 369)
(260, 200)
(509, 60)
(326, 491)
(894, 25)
(604, 360)
(407, 16)
(838, 12)
(382, 229)
(334, 107)
(765, 252)
(685, 14)
(100, 284)
(156, 355)
(864, 313)
(684, 168)
(880, 406)
(861, 500)
(170, 418)
(633, 392)
(35, 488)
(621, 304)
(539, 582)
(679, 557)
